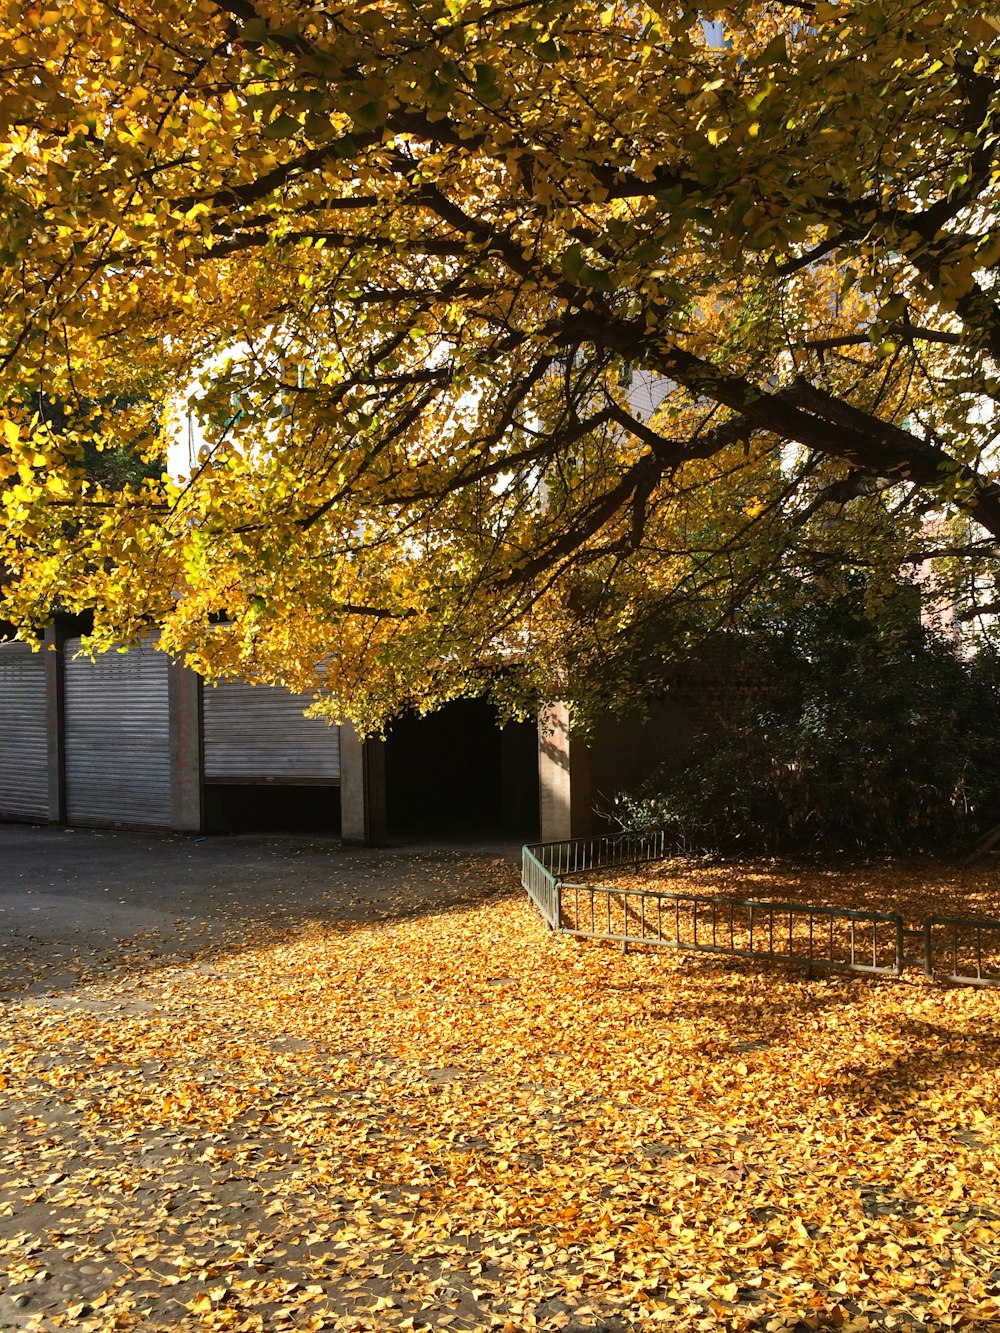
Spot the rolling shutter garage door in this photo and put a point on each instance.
(257, 734)
(24, 775)
(118, 738)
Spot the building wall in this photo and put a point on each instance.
(580, 778)
(624, 752)
(119, 742)
(456, 769)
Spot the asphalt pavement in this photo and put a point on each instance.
(76, 901)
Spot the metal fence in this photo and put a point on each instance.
(962, 949)
(956, 949)
(576, 855)
(541, 886)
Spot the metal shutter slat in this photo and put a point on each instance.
(258, 732)
(118, 738)
(24, 767)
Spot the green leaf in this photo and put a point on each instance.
(370, 115)
(486, 87)
(893, 309)
(282, 127)
(572, 263)
(599, 279)
(775, 53)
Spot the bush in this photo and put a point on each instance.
(839, 732)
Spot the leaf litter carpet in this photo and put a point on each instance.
(451, 1119)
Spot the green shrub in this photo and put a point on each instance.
(839, 731)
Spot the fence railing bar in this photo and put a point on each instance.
(987, 970)
(545, 865)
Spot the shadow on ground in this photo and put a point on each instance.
(453, 1120)
(78, 904)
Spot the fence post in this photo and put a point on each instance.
(928, 948)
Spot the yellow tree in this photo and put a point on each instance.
(502, 323)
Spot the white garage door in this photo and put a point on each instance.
(118, 738)
(24, 774)
(256, 733)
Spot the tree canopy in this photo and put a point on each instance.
(509, 328)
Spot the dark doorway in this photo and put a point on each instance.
(248, 807)
(458, 772)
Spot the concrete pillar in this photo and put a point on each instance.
(55, 718)
(563, 777)
(184, 693)
(362, 789)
